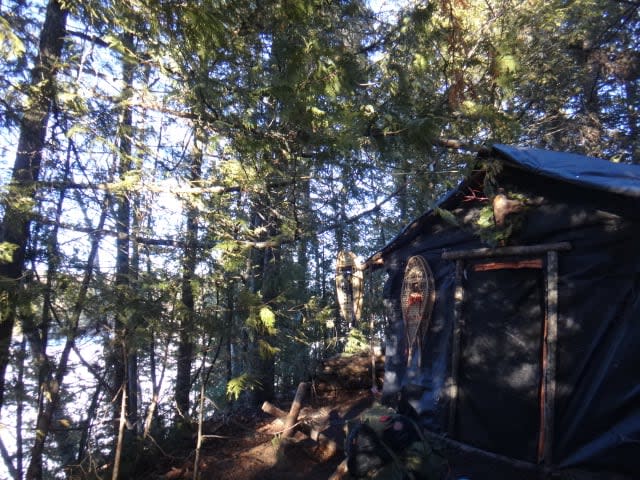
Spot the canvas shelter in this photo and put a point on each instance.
(517, 331)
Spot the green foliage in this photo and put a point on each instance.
(11, 47)
(447, 216)
(6, 251)
(266, 350)
(268, 320)
(356, 342)
(237, 385)
(486, 229)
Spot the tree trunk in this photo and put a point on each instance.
(263, 269)
(155, 389)
(26, 172)
(156, 385)
(189, 263)
(124, 355)
(46, 414)
(121, 426)
(199, 438)
(228, 322)
(21, 396)
(91, 413)
(39, 335)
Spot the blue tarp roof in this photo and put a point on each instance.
(591, 172)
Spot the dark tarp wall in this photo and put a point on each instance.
(598, 402)
(597, 405)
(500, 373)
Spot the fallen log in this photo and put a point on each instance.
(320, 438)
(271, 409)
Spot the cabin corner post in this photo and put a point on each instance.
(455, 346)
(548, 384)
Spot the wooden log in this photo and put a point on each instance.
(340, 472)
(455, 347)
(271, 409)
(506, 251)
(548, 387)
(312, 433)
(292, 417)
(455, 445)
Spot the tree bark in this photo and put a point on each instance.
(156, 385)
(26, 172)
(91, 412)
(633, 120)
(124, 357)
(262, 267)
(39, 335)
(121, 426)
(21, 394)
(189, 263)
(46, 414)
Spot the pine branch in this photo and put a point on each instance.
(355, 218)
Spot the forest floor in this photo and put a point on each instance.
(250, 446)
(251, 450)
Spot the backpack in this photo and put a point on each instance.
(384, 445)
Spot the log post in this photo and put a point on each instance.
(548, 384)
(292, 418)
(455, 347)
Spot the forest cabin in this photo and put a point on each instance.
(514, 311)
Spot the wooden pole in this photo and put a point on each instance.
(455, 346)
(548, 387)
(295, 409)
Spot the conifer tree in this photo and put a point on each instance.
(18, 203)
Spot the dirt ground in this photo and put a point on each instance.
(251, 447)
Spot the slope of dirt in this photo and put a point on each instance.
(261, 454)
(251, 448)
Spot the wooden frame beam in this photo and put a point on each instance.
(548, 382)
(452, 382)
(506, 251)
